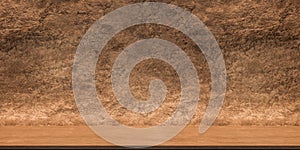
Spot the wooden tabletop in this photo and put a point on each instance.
(215, 136)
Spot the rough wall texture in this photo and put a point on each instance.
(259, 40)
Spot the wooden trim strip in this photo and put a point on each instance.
(215, 136)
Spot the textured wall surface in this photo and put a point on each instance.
(259, 40)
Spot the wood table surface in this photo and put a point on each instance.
(215, 136)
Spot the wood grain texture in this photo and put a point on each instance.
(215, 136)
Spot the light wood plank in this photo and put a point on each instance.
(216, 136)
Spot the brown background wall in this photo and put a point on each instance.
(259, 40)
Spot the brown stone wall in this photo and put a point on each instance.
(259, 40)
